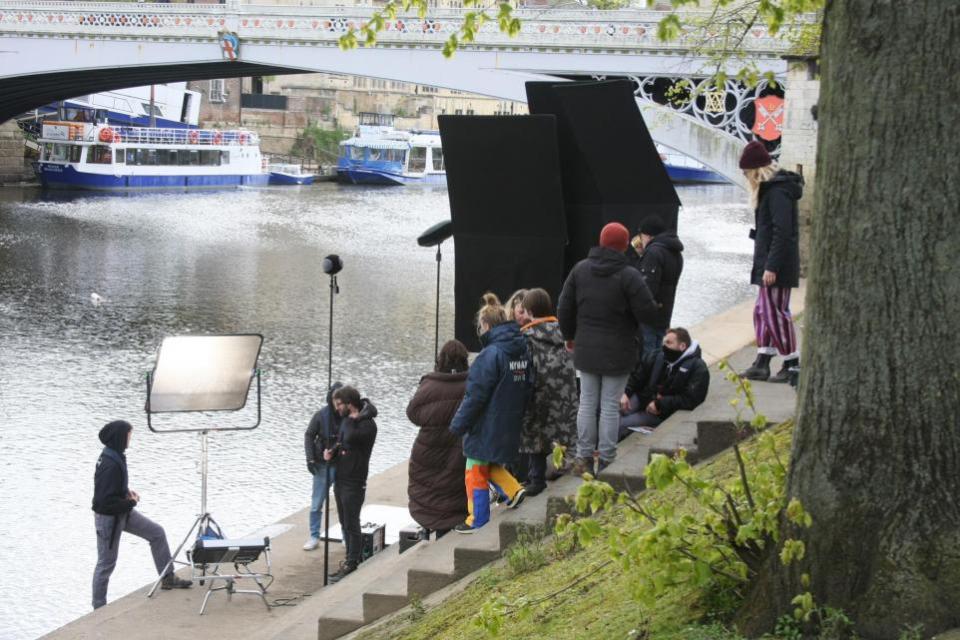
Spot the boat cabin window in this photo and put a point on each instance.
(55, 152)
(437, 158)
(375, 154)
(175, 157)
(99, 154)
(418, 160)
(356, 153)
(396, 155)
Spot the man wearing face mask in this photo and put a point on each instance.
(663, 382)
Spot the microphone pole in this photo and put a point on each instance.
(331, 266)
(436, 328)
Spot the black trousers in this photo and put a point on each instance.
(349, 495)
(537, 469)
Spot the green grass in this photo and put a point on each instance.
(592, 600)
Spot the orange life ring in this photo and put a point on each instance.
(217, 137)
(106, 135)
(243, 138)
(194, 136)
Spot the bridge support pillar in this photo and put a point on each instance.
(12, 165)
(798, 146)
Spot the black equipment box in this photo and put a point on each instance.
(372, 538)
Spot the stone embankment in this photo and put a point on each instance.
(386, 583)
(13, 167)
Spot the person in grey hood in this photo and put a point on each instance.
(114, 512)
(671, 379)
(602, 303)
(660, 262)
(774, 194)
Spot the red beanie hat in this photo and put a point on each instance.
(615, 236)
(755, 156)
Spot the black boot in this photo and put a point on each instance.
(760, 369)
(784, 374)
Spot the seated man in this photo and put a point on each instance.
(664, 381)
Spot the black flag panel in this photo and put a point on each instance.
(529, 194)
(503, 181)
(611, 169)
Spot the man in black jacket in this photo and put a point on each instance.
(664, 382)
(358, 432)
(659, 259)
(113, 506)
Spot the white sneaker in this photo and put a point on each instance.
(311, 544)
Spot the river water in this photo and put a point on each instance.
(243, 261)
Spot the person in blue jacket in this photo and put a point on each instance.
(491, 414)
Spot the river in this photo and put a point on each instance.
(243, 261)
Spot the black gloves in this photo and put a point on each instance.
(312, 468)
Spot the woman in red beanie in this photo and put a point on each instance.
(601, 304)
(776, 259)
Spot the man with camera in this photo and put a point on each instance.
(351, 457)
(321, 434)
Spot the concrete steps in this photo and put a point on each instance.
(388, 581)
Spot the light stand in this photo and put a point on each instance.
(435, 235)
(202, 373)
(332, 265)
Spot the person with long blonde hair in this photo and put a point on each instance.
(490, 417)
(774, 193)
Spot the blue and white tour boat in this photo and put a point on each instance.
(77, 155)
(380, 154)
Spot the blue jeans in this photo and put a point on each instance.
(320, 491)
(605, 392)
(652, 338)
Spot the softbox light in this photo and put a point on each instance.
(203, 373)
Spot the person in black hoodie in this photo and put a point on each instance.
(320, 434)
(358, 432)
(602, 303)
(776, 260)
(113, 506)
(671, 379)
(660, 262)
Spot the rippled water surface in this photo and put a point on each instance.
(245, 261)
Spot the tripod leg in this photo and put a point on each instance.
(197, 524)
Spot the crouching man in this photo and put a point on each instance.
(663, 382)
(113, 506)
(358, 432)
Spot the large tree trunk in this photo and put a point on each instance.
(876, 453)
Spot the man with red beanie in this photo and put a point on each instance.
(601, 305)
(776, 260)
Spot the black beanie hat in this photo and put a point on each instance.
(114, 434)
(652, 226)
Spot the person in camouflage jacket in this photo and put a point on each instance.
(551, 417)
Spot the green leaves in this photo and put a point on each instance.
(792, 550)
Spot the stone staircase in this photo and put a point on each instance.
(388, 581)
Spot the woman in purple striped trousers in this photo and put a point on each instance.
(776, 260)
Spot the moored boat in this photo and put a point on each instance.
(76, 155)
(288, 174)
(380, 154)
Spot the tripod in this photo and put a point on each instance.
(201, 525)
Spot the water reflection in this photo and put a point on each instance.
(214, 263)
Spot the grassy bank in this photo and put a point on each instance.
(573, 592)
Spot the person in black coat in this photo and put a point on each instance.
(436, 481)
(321, 433)
(671, 379)
(660, 262)
(114, 513)
(351, 455)
(602, 303)
(774, 193)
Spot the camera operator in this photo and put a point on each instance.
(351, 454)
(321, 434)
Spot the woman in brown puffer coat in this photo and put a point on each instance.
(437, 499)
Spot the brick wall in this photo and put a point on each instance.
(13, 167)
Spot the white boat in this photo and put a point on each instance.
(288, 174)
(380, 154)
(75, 155)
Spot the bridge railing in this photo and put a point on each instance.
(584, 31)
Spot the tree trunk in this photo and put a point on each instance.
(876, 453)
